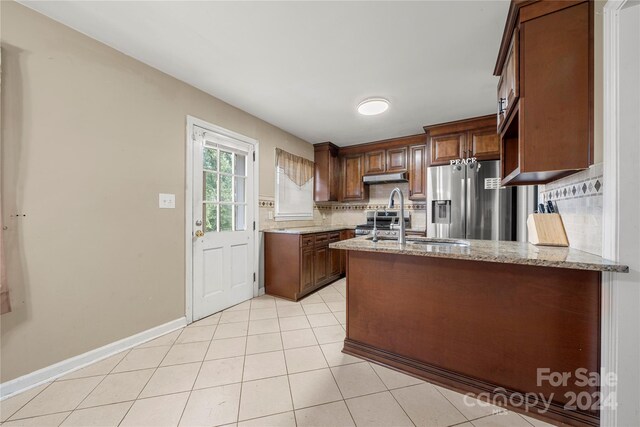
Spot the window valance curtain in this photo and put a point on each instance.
(298, 169)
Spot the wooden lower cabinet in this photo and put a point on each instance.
(344, 235)
(335, 263)
(306, 268)
(320, 260)
(298, 264)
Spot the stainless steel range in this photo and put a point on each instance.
(385, 221)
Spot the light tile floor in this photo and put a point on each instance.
(265, 362)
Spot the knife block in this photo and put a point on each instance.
(547, 230)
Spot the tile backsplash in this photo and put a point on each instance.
(335, 213)
(354, 213)
(579, 201)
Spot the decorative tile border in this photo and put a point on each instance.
(588, 183)
(264, 202)
(364, 207)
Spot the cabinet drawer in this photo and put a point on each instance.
(322, 238)
(307, 240)
(334, 237)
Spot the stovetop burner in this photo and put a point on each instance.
(385, 220)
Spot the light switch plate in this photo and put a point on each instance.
(166, 201)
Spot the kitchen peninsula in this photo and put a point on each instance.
(478, 316)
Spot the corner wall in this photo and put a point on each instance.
(90, 137)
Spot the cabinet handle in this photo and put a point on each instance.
(501, 102)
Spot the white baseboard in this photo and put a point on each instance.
(59, 369)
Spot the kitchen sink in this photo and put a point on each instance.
(425, 241)
(438, 242)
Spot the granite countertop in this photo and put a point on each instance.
(309, 230)
(490, 251)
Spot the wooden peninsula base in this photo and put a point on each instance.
(477, 326)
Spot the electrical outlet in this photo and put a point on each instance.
(166, 201)
(270, 214)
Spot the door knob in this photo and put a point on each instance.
(199, 233)
(199, 222)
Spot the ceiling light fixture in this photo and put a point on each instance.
(373, 106)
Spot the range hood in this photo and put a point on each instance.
(385, 178)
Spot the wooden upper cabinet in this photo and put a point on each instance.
(447, 147)
(547, 131)
(385, 161)
(353, 189)
(327, 173)
(374, 162)
(484, 144)
(474, 137)
(397, 159)
(417, 172)
(508, 84)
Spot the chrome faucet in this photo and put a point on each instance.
(401, 237)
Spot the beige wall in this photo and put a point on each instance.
(89, 139)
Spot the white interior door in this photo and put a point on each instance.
(223, 215)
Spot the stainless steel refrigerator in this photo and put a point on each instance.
(465, 201)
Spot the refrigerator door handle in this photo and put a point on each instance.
(467, 208)
(463, 207)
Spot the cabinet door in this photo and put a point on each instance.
(327, 174)
(374, 162)
(306, 268)
(352, 170)
(334, 267)
(508, 84)
(417, 172)
(397, 159)
(344, 235)
(320, 272)
(484, 144)
(447, 147)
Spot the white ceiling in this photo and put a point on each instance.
(304, 66)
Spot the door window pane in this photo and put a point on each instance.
(210, 159)
(226, 162)
(226, 190)
(241, 165)
(210, 217)
(241, 222)
(226, 220)
(210, 187)
(239, 192)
